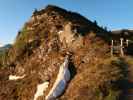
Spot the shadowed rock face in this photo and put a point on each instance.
(40, 49)
(124, 33)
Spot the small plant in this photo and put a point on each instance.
(113, 95)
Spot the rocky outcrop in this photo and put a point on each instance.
(39, 52)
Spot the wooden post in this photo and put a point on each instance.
(112, 44)
(121, 47)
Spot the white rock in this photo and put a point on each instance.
(61, 81)
(60, 32)
(14, 77)
(40, 89)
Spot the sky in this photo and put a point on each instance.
(115, 14)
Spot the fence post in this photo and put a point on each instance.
(127, 42)
(112, 44)
(121, 47)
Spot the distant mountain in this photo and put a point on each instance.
(5, 47)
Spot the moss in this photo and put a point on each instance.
(113, 95)
(99, 94)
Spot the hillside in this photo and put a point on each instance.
(51, 37)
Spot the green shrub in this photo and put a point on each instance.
(3, 58)
(21, 42)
